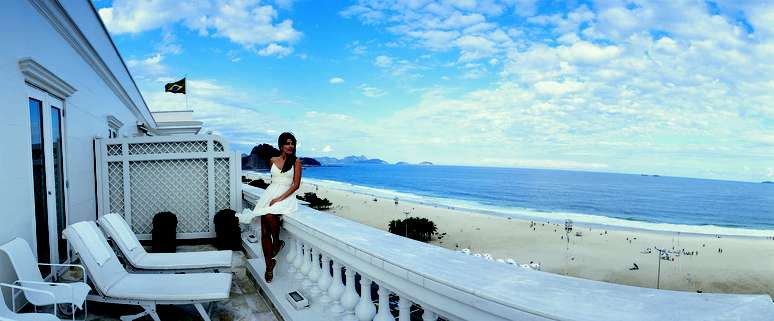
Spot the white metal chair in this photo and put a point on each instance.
(28, 274)
(114, 284)
(139, 260)
(11, 315)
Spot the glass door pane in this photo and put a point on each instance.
(56, 141)
(39, 178)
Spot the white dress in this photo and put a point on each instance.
(280, 183)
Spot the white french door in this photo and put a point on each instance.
(49, 174)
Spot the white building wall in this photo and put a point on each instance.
(26, 32)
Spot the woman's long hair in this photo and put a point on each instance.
(290, 159)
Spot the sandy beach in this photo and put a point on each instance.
(708, 263)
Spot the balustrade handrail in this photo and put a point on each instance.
(453, 308)
(497, 291)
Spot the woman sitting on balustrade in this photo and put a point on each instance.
(279, 198)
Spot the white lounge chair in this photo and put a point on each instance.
(114, 285)
(139, 260)
(26, 266)
(10, 314)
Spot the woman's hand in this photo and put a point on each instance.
(274, 201)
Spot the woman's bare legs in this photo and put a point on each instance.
(274, 222)
(267, 247)
(266, 243)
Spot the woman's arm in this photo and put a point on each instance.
(294, 186)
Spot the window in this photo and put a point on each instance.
(114, 126)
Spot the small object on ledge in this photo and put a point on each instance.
(297, 300)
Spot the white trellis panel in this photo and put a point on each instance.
(193, 176)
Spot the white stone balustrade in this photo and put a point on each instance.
(308, 269)
(291, 245)
(429, 315)
(404, 309)
(383, 313)
(336, 290)
(295, 265)
(365, 309)
(456, 287)
(350, 298)
(314, 276)
(324, 282)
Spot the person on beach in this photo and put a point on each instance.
(279, 198)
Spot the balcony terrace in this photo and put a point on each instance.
(330, 259)
(438, 283)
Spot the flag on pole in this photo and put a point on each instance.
(177, 87)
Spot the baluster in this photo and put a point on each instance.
(314, 275)
(304, 264)
(429, 315)
(404, 309)
(384, 305)
(350, 298)
(307, 270)
(325, 280)
(296, 263)
(365, 309)
(291, 254)
(335, 290)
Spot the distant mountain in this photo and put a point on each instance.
(349, 160)
(767, 182)
(308, 161)
(259, 158)
(425, 163)
(402, 163)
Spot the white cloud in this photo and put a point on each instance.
(147, 67)
(327, 149)
(474, 48)
(558, 88)
(357, 48)
(588, 53)
(335, 81)
(274, 49)
(245, 22)
(382, 61)
(435, 39)
(370, 91)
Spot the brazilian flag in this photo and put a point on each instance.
(177, 87)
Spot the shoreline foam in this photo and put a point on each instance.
(579, 219)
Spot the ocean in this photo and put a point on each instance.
(660, 203)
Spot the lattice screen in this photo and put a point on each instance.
(193, 176)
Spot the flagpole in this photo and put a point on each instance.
(186, 92)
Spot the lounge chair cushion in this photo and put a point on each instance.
(184, 260)
(123, 231)
(91, 235)
(165, 287)
(141, 259)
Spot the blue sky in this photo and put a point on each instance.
(682, 88)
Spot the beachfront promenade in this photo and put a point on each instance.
(452, 285)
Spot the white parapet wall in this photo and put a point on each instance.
(455, 286)
(193, 176)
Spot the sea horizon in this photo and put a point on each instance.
(592, 204)
(643, 173)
